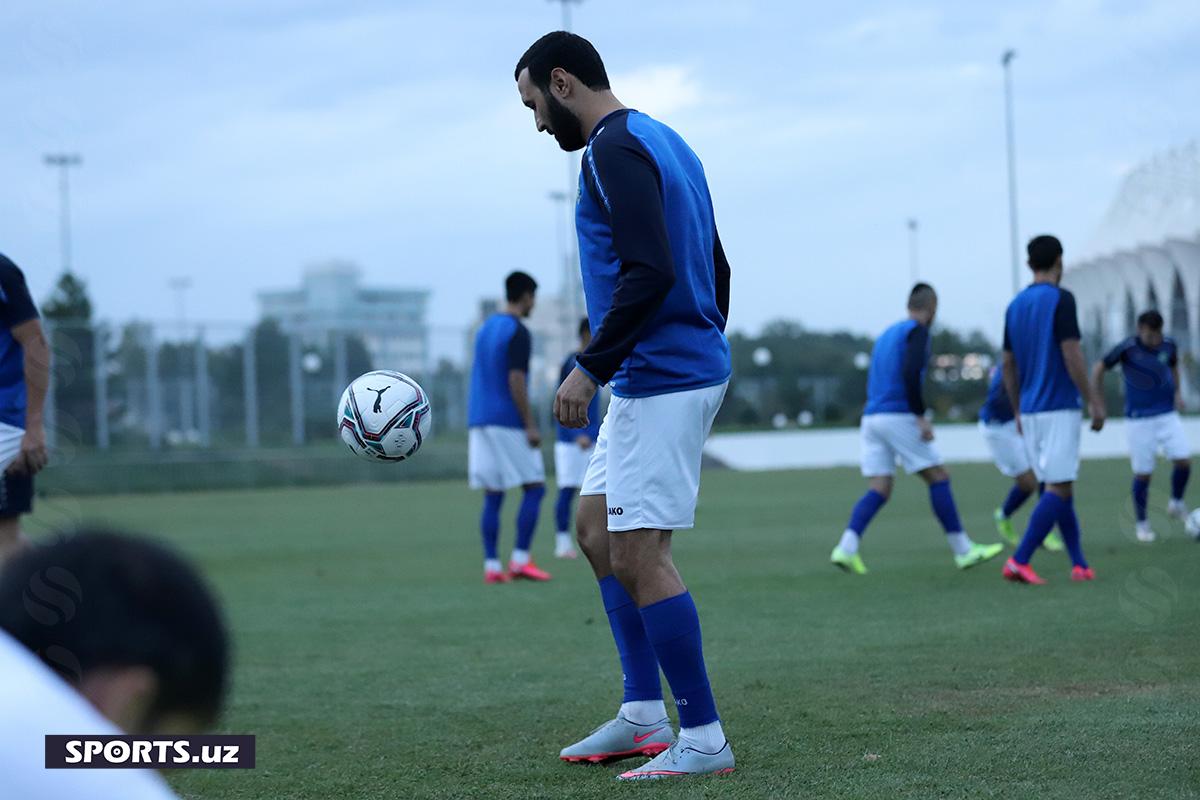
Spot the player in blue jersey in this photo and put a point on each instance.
(24, 380)
(1150, 364)
(504, 443)
(657, 288)
(1046, 380)
(572, 452)
(894, 428)
(999, 427)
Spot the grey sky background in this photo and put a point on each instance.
(236, 142)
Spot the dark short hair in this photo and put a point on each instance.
(517, 284)
(921, 297)
(584, 326)
(97, 599)
(570, 51)
(1043, 251)
(1150, 319)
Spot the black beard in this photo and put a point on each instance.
(565, 126)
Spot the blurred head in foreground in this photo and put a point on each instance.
(1045, 257)
(127, 622)
(922, 303)
(520, 289)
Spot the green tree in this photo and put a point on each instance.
(68, 315)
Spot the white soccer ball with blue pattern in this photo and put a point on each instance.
(384, 416)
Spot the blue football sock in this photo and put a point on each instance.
(638, 661)
(1041, 522)
(1016, 498)
(864, 510)
(1141, 492)
(942, 501)
(562, 509)
(1179, 479)
(489, 523)
(527, 516)
(1068, 523)
(673, 627)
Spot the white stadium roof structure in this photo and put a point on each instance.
(1145, 255)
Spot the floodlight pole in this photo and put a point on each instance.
(64, 162)
(913, 266)
(1006, 62)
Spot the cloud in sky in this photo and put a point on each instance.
(237, 142)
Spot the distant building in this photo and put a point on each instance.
(390, 321)
(1146, 255)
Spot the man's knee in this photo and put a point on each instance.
(934, 475)
(1027, 482)
(591, 523)
(882, 486)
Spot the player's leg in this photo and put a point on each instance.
(1024, 485)
(562, 522)
(641, 726)
(1143, 452)
(1052, 439)
(489, 529)
(967, 553)
(1068, 523)
(527, 469)
(1175, 444)
(642, 562)
(845, 554)
(878, 460)
(12, 540)
(521, 563)
(1181, 471)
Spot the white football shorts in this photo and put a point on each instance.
(1006, 446)
(1052, 443)
(1149, 436)
(571, 463)
(500, 458)
(647, 458)
(889, 438)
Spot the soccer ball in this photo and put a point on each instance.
(383, 416)
(1192, 524)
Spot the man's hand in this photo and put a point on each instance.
(533, 436)
(572, 400)
(926, 428)
(1099, 414)
(33, 455)
(584, 441)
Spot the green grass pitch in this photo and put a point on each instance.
(371, 662)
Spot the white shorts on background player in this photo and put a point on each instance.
(10, 444)
(571, 463)
(1052, 444)
(500, 458)
(36, 702)
(889, 438)
(1007, 447)
(1149, 436)
(647, 459)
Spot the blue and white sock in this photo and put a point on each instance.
(942, 500)
(673, 628)
(639, 664)
(1016, 498)
(1141, 494)
(562, 509)
(489, 526)
(1179, 481)
(1068, 523)
(1045, 514)
(527, 517)
(860, 517)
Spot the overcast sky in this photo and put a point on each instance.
(236, 142)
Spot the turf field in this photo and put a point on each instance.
(372, 663)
